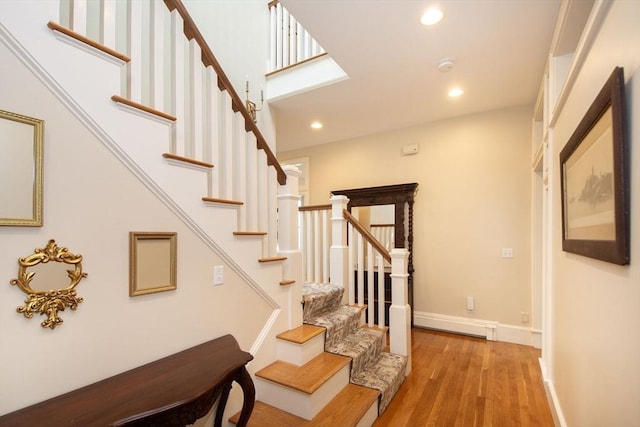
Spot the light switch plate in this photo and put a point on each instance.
(218, 275)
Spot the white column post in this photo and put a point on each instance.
(288, 200)
(339, 248)
(400, 311)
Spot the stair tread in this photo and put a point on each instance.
(308, 377)
(386, 374)
(287, 282)
(249, 233)
(301, 334)
(345, 410)
(222, 201)
(273, 259)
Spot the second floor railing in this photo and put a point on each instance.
(289, 42)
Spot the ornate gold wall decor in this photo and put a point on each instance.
(43, 298)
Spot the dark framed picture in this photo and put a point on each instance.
(594, 178)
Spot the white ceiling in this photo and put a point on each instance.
(499, 48)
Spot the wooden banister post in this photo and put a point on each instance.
(339, 249)
(288, 201)
(400, 311)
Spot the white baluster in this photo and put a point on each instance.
(272, 223)
(381, 289)
(252, 184)
(285, 37)
(293, 39)
(193, 128)
(240, 170)
(360, 267)
(273, 47)
(108, 23)
(157, 52)
(263, 193)
(279, 36)
(134, 51)
(325, 245)
(226, 147)
(371, 295)
(177, 95)
(350, 269)
(308, 44)
(317, 250)
(308, 246)
(79, 16)
(93, 18)
(211, 124)
(66, 13)
(300, 32)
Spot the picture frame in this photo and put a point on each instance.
(152, 262)
(595, 179)
(21, 170)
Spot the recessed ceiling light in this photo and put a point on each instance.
(316, 125)
(432, 16)
(455, 92)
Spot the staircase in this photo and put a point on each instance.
(193, 144)
(333, 369)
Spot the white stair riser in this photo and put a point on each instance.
(299, 403)
(370, 416)
(299, 354)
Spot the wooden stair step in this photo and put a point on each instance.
(273, 259)
(142, 107)
(79, 37)
(287, 282)
(264, 415)
(188, 160)
(308, 377)
(249, 233)
(222, 201)
(301, 334)
(345, 410)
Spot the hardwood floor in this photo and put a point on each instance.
(465, 381)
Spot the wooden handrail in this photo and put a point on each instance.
(314, 208)
(208, 59)
(367, 235)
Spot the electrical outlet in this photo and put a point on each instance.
(218, 275)
(470, 303)
(524, 317)
(507, 252)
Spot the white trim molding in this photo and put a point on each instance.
(489, 329)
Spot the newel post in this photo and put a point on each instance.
(339, 249)
(400, 311)
(288, 201)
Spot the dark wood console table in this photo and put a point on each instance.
(173, 391)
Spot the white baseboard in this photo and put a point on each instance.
(491, 330)
(552, 397)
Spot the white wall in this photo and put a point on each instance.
(91, 203)
(595, 312)
(473, 200)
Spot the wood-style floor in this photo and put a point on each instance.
(465, 381)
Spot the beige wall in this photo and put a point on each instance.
(473, 200)
(595, 305)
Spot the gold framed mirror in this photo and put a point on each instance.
(45, 295)
(21, 158)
